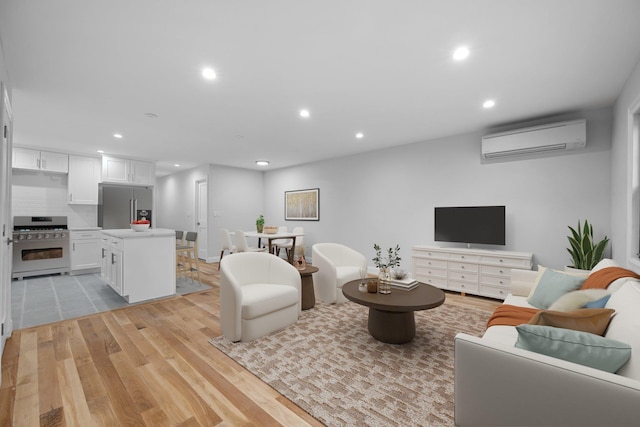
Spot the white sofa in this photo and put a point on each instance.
(497, 384)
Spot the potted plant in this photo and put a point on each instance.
(585, 253)
(385, 263)
(260, 223)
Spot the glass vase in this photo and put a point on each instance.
(384, 281)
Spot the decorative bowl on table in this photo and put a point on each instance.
(270, 229)
(140, 227)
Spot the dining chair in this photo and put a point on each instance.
(242, 246)
(179, 242)
(287, 245)
(279, 243)
(226, 243)
(189, 254)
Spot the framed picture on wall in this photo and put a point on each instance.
(302, 205)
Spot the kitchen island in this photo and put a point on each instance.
(139, 266)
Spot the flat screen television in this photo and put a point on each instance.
(470, 224)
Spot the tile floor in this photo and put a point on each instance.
(45, 299)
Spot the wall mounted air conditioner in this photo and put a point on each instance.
(550, 137)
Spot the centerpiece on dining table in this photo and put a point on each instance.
(384, 264)
(270, 229)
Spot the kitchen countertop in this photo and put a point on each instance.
(126, 233)
(85, 228)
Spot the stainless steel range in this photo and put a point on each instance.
(40, 246)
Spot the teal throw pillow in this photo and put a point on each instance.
(599, 303)
(574, 346)
(552, 285)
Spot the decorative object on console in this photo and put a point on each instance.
(259, 224)
(398, 273)
(585, 253)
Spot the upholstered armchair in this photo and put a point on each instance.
(337, 264)
(259, 294)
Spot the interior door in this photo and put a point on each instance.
(5, 220)
(201, 218)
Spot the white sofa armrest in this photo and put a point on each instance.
(498, 385)
(522, 282)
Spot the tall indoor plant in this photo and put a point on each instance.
(585, 253)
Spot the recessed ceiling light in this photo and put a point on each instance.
(151, 115)
(359, 135)
(209, 73)
(100, 151)
(262, 162)
(461, 53)
(117, 135)
(304, 113)
(176, 165)
(489, 103)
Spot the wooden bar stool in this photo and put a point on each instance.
(188, 253)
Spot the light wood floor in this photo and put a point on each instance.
(148, 365)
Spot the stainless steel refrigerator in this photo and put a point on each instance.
(119, 205)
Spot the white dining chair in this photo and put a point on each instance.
(241, 243)
(226, 243)
(287, 245)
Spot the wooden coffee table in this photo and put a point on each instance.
(391, 317)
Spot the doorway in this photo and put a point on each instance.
(201, 217)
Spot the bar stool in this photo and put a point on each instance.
(188, 252)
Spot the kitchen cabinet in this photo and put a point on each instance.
(85, 251)
(84, 177)
(47, 161)
(139, 266)
(128, 171)
(111, 263)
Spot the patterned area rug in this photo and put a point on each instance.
(329, 365)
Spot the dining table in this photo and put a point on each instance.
(270, 237)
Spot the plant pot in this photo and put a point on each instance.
(259, 227)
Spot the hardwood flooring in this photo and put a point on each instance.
(147, 365)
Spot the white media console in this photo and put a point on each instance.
(473, 271)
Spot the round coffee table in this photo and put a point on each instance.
(391, 317)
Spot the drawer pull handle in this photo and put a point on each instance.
(462, 276)
(462, 267)
(501, 272)
(462, 257)
(501, 282)
(501, 260)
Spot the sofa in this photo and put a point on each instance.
(500, 384)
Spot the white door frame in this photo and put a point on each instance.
(203, 240)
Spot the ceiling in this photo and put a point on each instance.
(84, 70)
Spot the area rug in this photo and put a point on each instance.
(329, 365)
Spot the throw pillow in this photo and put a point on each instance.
(577, 299)
(552, 285)
(599, 303)
(592, 320)
(577, 347)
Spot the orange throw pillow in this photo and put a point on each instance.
(592, 320)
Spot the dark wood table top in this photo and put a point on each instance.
(423, 297)
(310, 269)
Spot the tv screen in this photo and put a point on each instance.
(470, 224)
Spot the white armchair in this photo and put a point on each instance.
(337, 264)
(259, 294)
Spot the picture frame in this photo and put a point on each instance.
(302, 205)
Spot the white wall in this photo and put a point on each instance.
(235, 199)
(624, 190)
(46, 194)
(388, 196)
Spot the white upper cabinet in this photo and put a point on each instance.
(84, 176)
(126, 171)
(26, 158)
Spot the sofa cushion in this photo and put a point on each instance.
(599, 303)
(574, 346)
(577, 299)
(592, 320)
(552, 285)
(625, 325)
(263, 298)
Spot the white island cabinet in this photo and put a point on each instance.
(139, 265)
